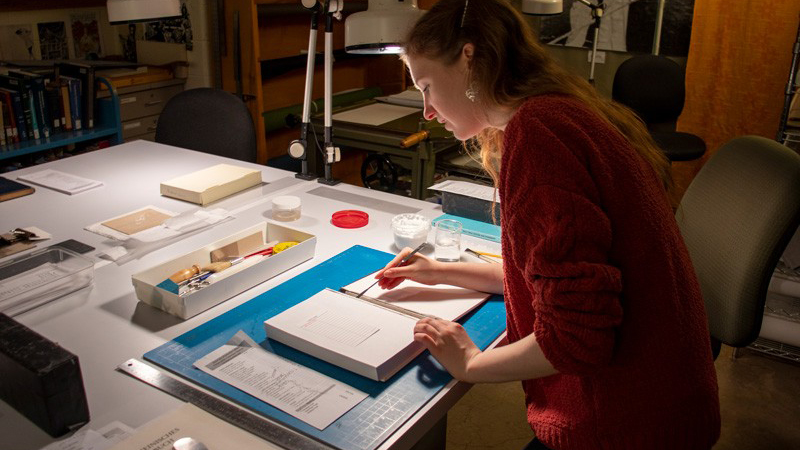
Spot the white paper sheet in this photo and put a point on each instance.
(441, 300)
(307, 395)
(101, 439)
(468, 189)
(374, 114)
(188, 420)
(60, 181)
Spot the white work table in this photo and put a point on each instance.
(105, 324)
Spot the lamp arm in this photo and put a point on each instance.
(332, 153)
(299, 148)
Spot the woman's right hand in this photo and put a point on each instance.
(419, 268)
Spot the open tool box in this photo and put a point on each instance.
(154, 288)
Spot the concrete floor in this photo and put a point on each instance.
(759, 399)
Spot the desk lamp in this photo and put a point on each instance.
(378, 30)
(554, 7)
(131, 11)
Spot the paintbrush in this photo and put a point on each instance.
(402, 261)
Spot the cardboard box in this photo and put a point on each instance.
(145, 283)
(211, 184)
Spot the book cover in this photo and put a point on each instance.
(84, 73)
(35, 84)
(19, 114)
(211, 184)
(15, 84)
(3, 129)
(66, 112)
(10, 189)
(9, 118)
(370, 336)
(74, 87)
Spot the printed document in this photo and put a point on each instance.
(60, 181)
(305, 394)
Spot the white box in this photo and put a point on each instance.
(145, 283)
(211, 184)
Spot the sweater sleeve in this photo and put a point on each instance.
(560, 239)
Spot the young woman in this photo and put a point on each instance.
(606, 324)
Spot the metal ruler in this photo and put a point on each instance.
(260, 426)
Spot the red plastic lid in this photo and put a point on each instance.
(350, 218)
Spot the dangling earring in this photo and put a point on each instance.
(471, 93)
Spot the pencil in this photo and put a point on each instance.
(482, 256)
(486, 254)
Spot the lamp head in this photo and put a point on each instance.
(542, 7)
(381, 28)
(130, 11)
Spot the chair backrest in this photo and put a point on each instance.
(737, 217)
(208, 120)
(653, 86)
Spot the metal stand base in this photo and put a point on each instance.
(305, 176)
(329, 181)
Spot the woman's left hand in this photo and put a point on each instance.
(449, 343)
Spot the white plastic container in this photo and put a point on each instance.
(146, 283)
(286, 208)
(410, 230)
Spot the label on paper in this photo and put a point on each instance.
(305, 394)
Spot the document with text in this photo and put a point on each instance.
(305, 394)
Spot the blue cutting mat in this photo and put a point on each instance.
(389, 404)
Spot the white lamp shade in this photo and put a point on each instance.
(382, 27)
(542, 7)
(127, 11)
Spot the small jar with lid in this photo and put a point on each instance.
(286, 208)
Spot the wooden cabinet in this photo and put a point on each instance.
(273, 37)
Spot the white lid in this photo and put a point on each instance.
(286, 202)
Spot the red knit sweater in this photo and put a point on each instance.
(596, 268)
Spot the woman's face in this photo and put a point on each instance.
(443, 89)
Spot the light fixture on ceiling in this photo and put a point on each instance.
(554, 7)
(381, 28)
(542, 7)
(131, 11)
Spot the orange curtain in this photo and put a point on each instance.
(737, 70)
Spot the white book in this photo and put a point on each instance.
(372, 336)
(60, 181)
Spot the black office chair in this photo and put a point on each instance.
(208, 120)
(736, 218)
(653, 87)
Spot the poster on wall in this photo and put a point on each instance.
(16, 42)
(85, 34)
(626, 26)
(173, 31)
(53, 40)
(127, 39)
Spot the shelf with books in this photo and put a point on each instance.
(108, 126)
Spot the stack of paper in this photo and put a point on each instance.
(373, 335)
(60, 181)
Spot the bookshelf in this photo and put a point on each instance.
(108, 126)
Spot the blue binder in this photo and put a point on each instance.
(389, 404)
